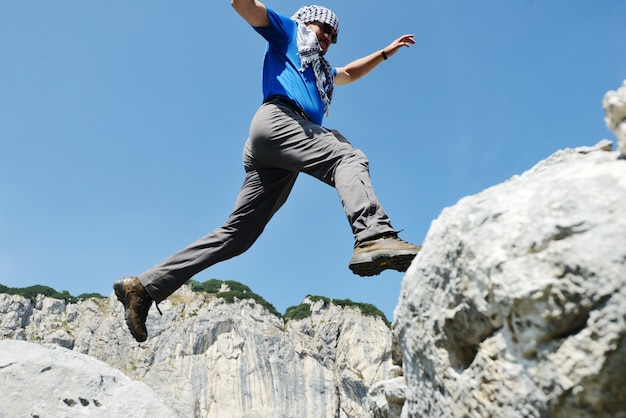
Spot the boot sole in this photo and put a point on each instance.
(373, 264)
(119, 291)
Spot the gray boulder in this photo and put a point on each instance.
(38, 381)
(516, 306)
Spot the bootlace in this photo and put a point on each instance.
(145, 306)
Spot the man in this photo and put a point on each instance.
(286, 138)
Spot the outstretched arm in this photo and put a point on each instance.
(358, 68)
(253, 11)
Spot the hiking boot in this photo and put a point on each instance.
(387, 252)
(136, 303)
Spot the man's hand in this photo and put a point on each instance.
(405, 40)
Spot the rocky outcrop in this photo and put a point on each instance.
(614, 105)
(36, 381)
(516, 306)
(209, 358)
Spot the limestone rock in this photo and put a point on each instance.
(386, 398)
(614, 105)
(36, 381)
(516, 306)
(208, 358)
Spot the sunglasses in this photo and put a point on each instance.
(328, 30)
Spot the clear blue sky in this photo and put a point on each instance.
(122, 125)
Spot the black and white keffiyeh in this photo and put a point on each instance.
(309, 49)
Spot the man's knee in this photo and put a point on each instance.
(351, 155)
(356, 157)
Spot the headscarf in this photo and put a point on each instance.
(309, 49)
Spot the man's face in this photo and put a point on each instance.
(326, 34)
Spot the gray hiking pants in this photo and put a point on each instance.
(281, 144)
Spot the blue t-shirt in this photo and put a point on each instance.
(281, 67)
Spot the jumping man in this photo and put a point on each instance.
(287, 138)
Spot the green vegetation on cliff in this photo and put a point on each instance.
(232, 291)
(31, 293)
(304, 309)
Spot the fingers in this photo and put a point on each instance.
(403, 41)
(408, 39)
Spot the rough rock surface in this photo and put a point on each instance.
(209, 358)
(516, 306)
(614, 105)
(36, 381)
(386, 398)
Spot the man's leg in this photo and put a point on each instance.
(300, 145)
(263, 192)
(297, 144)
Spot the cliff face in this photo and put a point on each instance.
(207, 358)
(516, 305)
